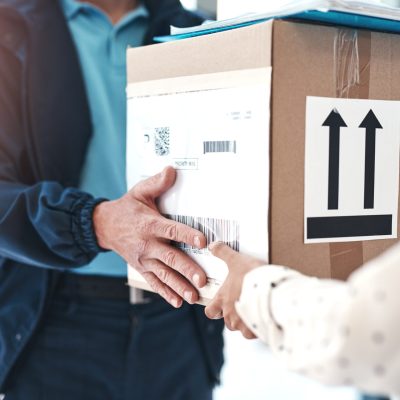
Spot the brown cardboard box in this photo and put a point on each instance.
(306, 60)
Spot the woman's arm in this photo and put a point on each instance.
(334, 332)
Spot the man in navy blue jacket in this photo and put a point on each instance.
(66, 329)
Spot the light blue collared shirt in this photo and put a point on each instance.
(102, 48)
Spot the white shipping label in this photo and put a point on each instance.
(351, 169)
(217, 137)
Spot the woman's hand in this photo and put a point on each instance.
(223, 304)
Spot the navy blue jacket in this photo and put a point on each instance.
(45, 126)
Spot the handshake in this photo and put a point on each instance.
(307, 322)
(133, 227)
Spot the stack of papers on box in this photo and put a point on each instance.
(352, 13)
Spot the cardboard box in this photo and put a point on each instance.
(307, 61)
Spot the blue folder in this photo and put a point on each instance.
(325, 17)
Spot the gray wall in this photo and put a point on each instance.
(209, 7)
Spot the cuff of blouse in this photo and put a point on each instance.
(254, 305)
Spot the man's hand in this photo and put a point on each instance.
(223, 304)
(133, 227)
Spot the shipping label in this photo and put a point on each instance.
(214, 129)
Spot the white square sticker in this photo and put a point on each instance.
(351, 169)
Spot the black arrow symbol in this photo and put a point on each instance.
(335, 122)
(371, 124)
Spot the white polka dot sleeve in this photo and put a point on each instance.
(341, 333)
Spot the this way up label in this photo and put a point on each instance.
(351, 169)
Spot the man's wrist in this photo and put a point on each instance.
(99, 224)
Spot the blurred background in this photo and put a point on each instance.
(250, 372)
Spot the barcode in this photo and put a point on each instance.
(221, 146)
(161, 141)
(214, 229)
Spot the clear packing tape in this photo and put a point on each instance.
(352, 62)
(352, 66)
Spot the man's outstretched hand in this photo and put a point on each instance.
(133, 227)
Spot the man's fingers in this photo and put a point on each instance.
(224, 252)
(174, 280)
(178, 232)
(156, 185)
(180, 262)
(162, 289)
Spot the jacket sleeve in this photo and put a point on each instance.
(41, 224)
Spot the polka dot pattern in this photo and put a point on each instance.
(341, 333)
